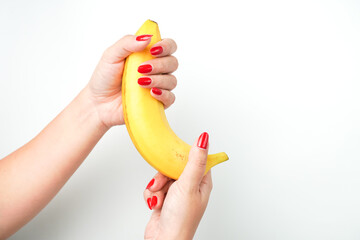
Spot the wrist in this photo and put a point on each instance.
(107, 104)
(88, 110)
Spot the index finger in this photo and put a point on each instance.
(157, 183)
(163, 48)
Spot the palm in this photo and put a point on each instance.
(166, 213)
(105, 86)
(152, 228)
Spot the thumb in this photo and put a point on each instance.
(195, 168)
(125, 46)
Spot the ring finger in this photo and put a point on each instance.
(166, 81)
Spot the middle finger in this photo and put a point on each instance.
(159, 65)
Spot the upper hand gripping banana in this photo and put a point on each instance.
(146, 121)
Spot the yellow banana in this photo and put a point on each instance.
(146, 121)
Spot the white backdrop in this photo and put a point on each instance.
(275, 83)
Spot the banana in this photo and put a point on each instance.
(146, 121)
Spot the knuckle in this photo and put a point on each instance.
(167, 47)
(174, 81)
(176, 62)
(107, 52)
(160, 65)
(201, 163)
(172, 45)
(175, 46)
(172, 98)
(107, 56)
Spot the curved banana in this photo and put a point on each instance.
(146, 121)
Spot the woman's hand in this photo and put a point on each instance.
(179, 205)
(105, 84)
(32, 175)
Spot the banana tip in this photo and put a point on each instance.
(153, 21)
(226, 157)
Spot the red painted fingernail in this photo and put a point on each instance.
(153, 201)
(156, 91)
(143, 37)
(146, 68)
(143, 81)
(156, 50)
(203, 140)
(149, 203)
(150, 183)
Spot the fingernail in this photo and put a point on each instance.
(153, 201)
(149, 203)
(143, 37)
(146, 68)
(156, 91)
(156, 50)
(150, 183)
(143, 81)
(203, 140)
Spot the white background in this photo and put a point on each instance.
(275, 83)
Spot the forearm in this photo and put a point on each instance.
(31, 176)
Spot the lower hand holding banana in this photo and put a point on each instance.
(178, 206)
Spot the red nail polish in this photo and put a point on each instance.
(146, 68)
(153, 201)
(150, 183)
(143, 37)
(143, 81)
(156, 91)
(156, 50)
(203, 140)
(149, 203)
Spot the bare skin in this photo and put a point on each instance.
(179, 205)
(32, 175)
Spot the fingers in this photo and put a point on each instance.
(194, 170)
(166, 64)
(164, 96)
(157, 183)
(167, 81)
(124, 47)
(155, 199)
(163, 48)
(156, 72)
